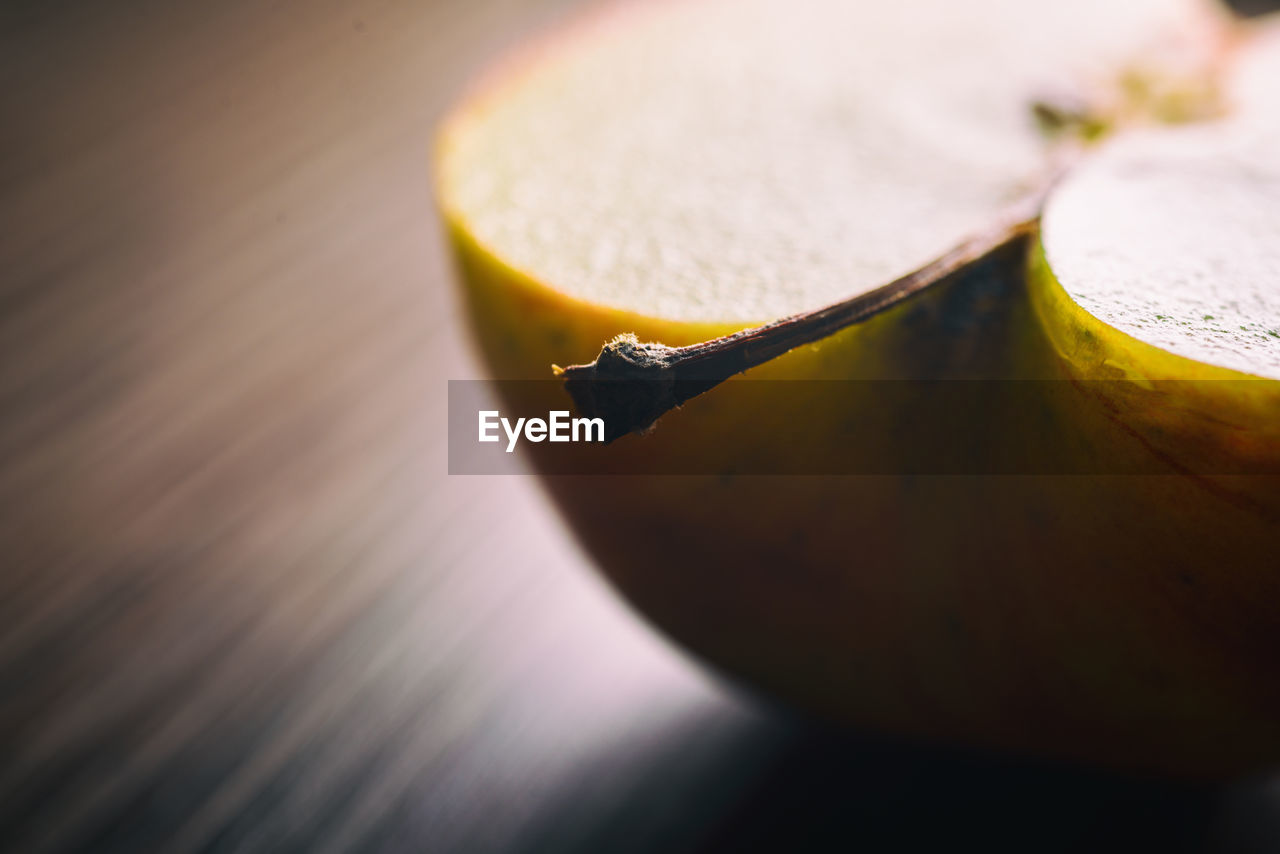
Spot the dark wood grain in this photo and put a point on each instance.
(242, 606)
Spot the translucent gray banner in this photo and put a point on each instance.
(883, 427)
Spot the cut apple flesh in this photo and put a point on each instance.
(734, 162)
(1171, 239)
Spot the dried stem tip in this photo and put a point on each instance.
(630, 385)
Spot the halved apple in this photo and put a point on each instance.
(683, 170)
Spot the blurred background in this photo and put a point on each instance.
(242, 605)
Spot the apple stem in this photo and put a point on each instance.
(632, 384)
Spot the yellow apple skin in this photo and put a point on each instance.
(1129, 621)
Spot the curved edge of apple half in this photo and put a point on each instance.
(1124, 622)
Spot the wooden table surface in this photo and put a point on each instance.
(243, 606)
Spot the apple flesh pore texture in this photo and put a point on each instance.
(1132, 621)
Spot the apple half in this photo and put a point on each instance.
(682, 171)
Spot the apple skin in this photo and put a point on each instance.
(1126, 621)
